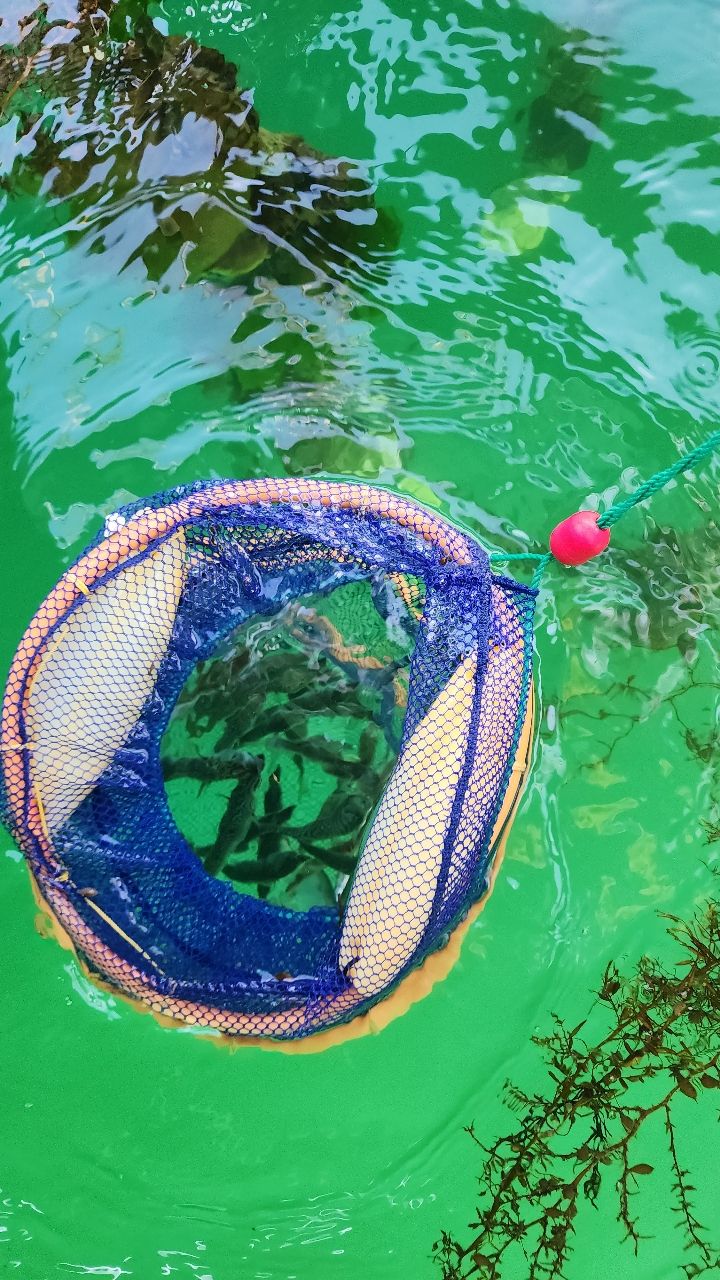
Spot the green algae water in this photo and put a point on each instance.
(537, 328)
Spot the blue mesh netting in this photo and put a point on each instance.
(92, 692)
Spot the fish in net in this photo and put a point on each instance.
(391, 615)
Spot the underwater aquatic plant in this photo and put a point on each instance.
(675, 574)
(159, 151)
(650, 1045)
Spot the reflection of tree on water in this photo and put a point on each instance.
(559, 125)
(559, 121)
(130, 158)
(149, 138)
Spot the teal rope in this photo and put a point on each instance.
(658, 481)
(619, 509)
(538, 574)
(542, 560)
(517, 555)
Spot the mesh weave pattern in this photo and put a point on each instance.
(92, 688)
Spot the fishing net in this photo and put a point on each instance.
(254, 610)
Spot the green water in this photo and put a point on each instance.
(505, 387)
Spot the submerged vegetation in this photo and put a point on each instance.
(676, 577)
(617, 1080)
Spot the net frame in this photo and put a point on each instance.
(415, 539)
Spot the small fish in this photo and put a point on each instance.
(264, 871)
(345, 810)
(235, 822)
(308, 887)
(215, 768)
(339, 857)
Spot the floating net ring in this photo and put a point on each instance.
(90, 694)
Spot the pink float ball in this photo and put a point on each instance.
(578, 538)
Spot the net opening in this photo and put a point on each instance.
(348, 816)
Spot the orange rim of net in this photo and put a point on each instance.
(101, 964)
